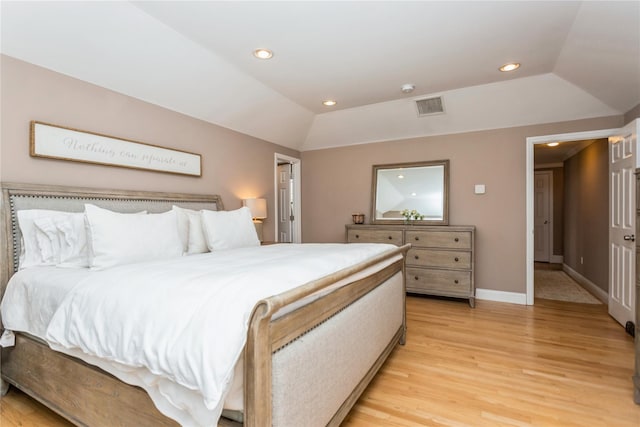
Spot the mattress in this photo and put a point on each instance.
(42, 290)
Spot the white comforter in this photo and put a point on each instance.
(186, 319)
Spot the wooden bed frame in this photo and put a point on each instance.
(86, 395)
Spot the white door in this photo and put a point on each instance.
(542, 216)
(622, 223)
(285, 203)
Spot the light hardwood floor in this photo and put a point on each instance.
(553, 364)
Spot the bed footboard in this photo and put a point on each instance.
(361, 324)
(347, 346)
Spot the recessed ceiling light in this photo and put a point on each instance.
(262, 53)
(553, 144)
(329, 102)
(510, 67)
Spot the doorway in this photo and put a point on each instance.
(287, 187)
(620, 189)
(530, 193)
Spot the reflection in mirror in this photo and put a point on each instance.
(421, 188)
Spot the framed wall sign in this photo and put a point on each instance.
(58, 142)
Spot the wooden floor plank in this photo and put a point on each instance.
(552, 364)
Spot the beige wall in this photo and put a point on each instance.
(337, 182)
(234, 165)
(586, 213)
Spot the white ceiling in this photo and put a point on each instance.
(579, 60)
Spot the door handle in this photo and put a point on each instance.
(630, 238)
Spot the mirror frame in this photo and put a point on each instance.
(400, 221)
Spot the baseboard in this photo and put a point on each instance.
(556, 259)
(594, 289)
(501, 296)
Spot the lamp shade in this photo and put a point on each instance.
(258, 207)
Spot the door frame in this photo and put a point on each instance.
(529, 175)
(297, 205)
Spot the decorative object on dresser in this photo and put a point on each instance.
(358, 218)
(440, 261)
(411, 215)
(416, 192)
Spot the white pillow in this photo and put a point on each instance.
(229, 229)
(37, 247)
(197, 239)
(63, 240)
(190, 228)
(182, 216)
(72, 233)
(117, 238)
(48, 239)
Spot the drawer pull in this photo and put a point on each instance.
(415, 277)
(455, 281)
(456, 258)
(417, 238)
(390, 238)
(417, 257)
(456, 240)
(357, 236)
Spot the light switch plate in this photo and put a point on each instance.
(480, 189)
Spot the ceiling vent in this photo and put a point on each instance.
(430, 106)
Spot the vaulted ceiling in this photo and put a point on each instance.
(579, 60)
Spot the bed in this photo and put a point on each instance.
(308, 351)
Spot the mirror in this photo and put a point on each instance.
(400, 188)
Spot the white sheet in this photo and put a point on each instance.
(181, 324)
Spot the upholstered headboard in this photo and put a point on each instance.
(16, 197)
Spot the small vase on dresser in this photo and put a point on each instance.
(440, 261)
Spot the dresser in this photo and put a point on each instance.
(440, 261)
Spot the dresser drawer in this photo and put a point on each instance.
(439, 282)
(435, 258)
(375, 236)
(439, 239)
